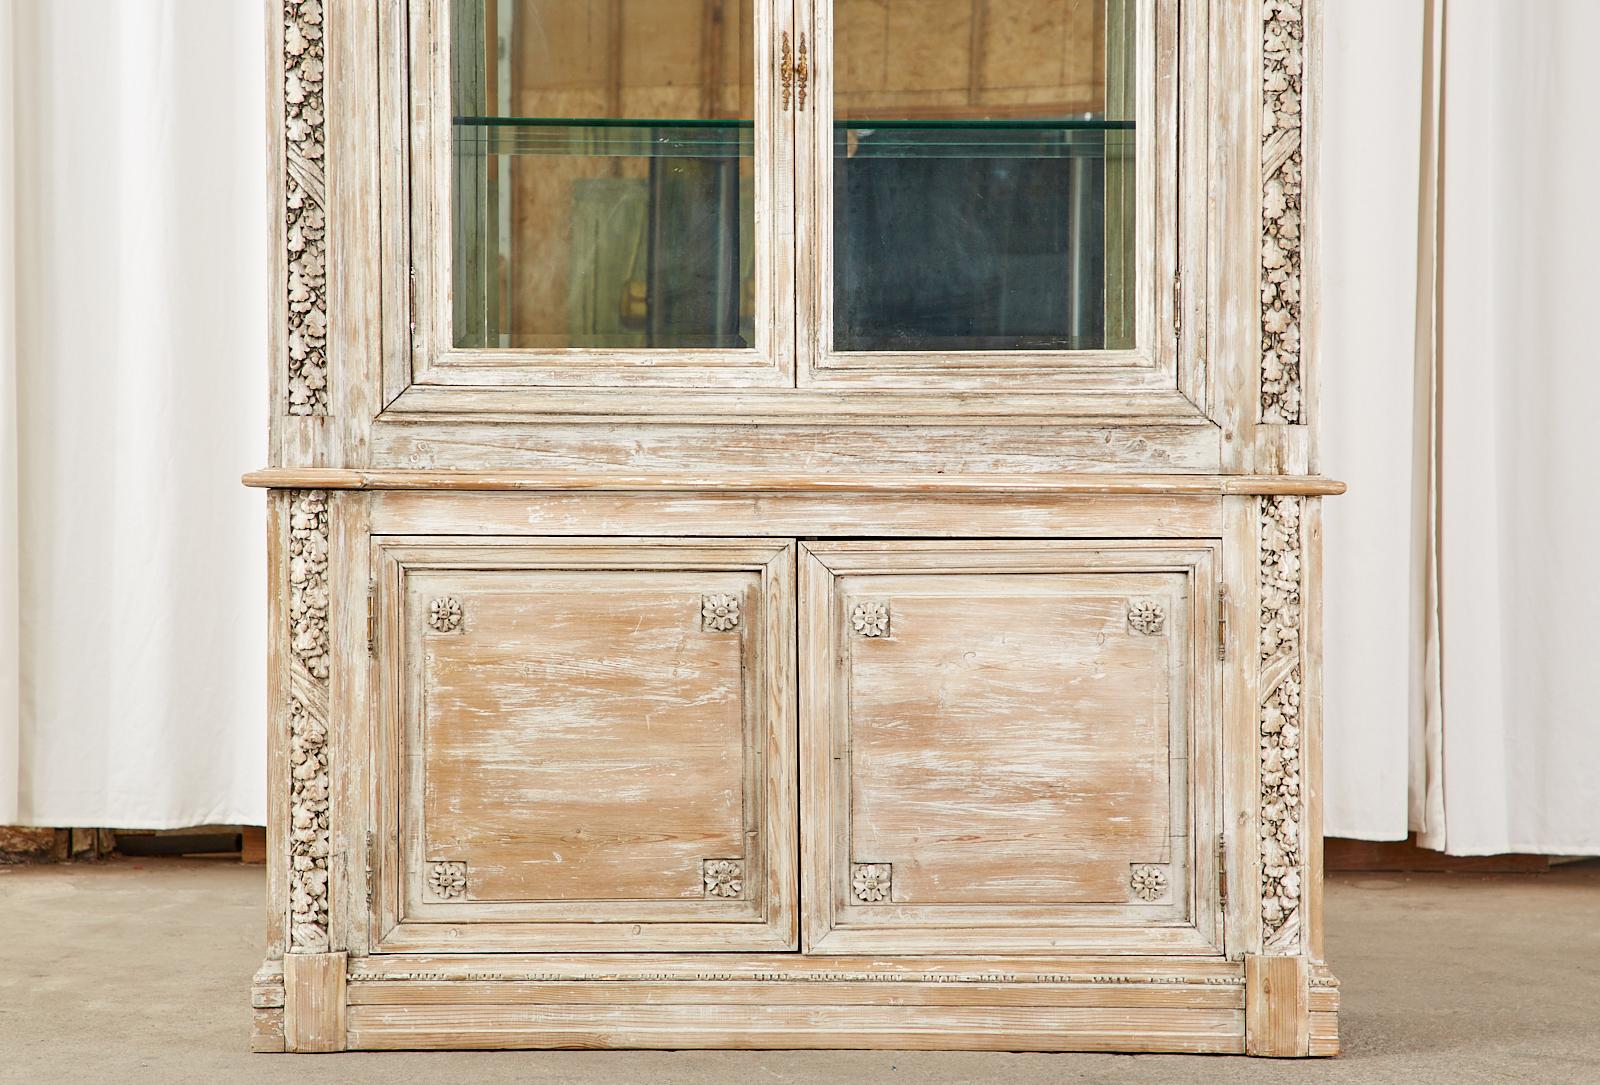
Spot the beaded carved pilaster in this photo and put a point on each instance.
(305, 208)
(308, 700)
(1282, 669)
(1282, 237)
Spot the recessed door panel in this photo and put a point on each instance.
(592, 745)
(1008, 742)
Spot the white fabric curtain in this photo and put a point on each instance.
(1462, 388)
(133, 380)
(1460, 384)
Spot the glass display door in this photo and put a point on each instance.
(983, 184)
(825, 194)
(612, 187)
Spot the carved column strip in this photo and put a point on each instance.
(1282, 239)
(305, 208)
(1282, 673)
(308, 703)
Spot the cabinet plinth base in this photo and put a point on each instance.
(756, 1002)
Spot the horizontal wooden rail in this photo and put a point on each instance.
(322, 478)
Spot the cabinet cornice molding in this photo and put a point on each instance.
(282, 478)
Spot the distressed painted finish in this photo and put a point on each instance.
(1009, 748)
(607, 730)
(558, 640)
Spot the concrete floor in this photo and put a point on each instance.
(138, 971)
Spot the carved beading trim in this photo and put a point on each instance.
(1147, 616)
(1282, 667)
(871, 618)
(719, 612)
(305, 207)
(444, 614)
(1147, 881)
(871, 883)
(447, 880)
(307, 700)
(1282, 238)
(723, 877)
(1054, 978)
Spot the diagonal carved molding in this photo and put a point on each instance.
(305, 208)
(1282, 238)
(308, 701)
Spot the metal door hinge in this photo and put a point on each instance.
(1222, 873)
(372, 862)
(1177, 307)
(1222, 622)
(372, 618)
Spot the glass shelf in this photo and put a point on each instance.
(857, 138)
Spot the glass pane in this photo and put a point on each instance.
(983, 173)
(603, 171)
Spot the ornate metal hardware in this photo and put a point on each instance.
(802, 74)
(786, 72)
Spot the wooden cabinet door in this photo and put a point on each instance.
(585, 744)
(1010, 747)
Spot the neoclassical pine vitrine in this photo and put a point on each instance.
(795, 523)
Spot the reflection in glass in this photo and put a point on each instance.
(983, 175)
(602, 170)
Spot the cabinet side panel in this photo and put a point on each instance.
(353, 307)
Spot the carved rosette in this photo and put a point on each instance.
(1282, 240)
(1148, 617)
(723, 877)
(1282, 810)
(1147, 882)
(447, 880)
(305, 214)
(308, 722)
(871, 883)
(870, 619)
(444, 614)
(719, 612)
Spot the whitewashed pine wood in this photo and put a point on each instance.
(1011, 744)
(575, 506)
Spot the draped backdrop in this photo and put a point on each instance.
(1461, 393)
(1458, 381)
(132, 334)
